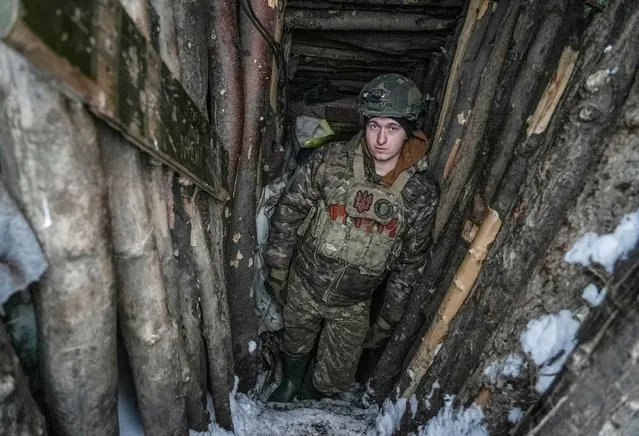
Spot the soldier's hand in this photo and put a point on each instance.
(276, 284)
(378, 334)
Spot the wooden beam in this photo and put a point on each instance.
(100, 56)
(389, 43)
(364, 20)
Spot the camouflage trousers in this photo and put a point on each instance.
(342, 331)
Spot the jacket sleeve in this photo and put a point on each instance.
(303, 193)
(412, 257)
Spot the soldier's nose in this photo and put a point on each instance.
(381, 137)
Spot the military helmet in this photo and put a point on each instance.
(390, 95)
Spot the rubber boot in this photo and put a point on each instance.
(308, 391)
(293, 368)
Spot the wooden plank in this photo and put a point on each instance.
(100, 56)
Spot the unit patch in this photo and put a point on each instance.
(384, 208)
(363, 201)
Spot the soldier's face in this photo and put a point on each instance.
(385, 138)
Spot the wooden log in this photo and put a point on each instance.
(167, 44)
(350, 55)
(192, 40)
(275, 155)
(389, 43)
(216, 328)
(150, 335)
(192, 44)
(389, 366)
(452, 4)
(433, 88)
(227, 105)
(101, 57)
(474, 27)
(50, 161)
(19, 413)
(240, 244)
(544, 33)
(158, 181)
(318, 19)
(610, 192)
(189, 317)
(604, 367)
(457, 293)
(591, 104)
(463, 141)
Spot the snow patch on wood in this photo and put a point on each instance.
(549, 341)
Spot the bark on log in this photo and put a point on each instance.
(611, 191)
(351, 55)
(158, 182)
(318, 19)
(191, 35)
(478, 17)
(167, 44)
(393, 43)
(50, 161)
(216, 328)
(225, 78)
(457, 293)
(19, 413)
(463, 142)
(241, 239)
(389, 366)
(538, 40)
(597, 394)
(150, 335)
(192, 41)
(189, 316)
(592, 104)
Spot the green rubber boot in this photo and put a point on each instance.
(308, 391)
(293, 368)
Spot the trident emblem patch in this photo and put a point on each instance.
(363, 201)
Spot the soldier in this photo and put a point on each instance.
(354, 214)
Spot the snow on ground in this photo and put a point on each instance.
(389, 420)
(549, 340)
(314, 418)
(606, 249)
(451, 421)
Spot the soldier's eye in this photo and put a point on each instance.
(372, 125)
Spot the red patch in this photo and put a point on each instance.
(363, 201)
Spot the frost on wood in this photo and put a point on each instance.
(549, 341)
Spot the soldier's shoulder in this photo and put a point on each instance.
(422, 188)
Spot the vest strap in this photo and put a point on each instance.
(399, 183)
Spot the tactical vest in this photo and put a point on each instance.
(362, 222)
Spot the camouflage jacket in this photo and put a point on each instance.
(291, 244)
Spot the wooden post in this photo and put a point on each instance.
(225, 78)
(51, 163)
(457, 293)
(309, 19)
(241, 242)
(572, 143)
(476, 11)
(150, 335)
(216, 328)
